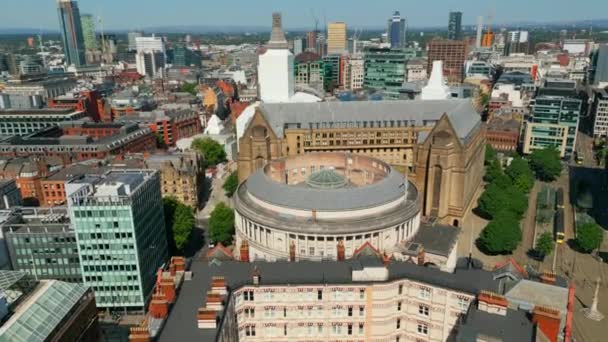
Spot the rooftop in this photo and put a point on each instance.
(460, 112)
(437, 239)
(483, 326)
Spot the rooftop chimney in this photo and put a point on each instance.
(256, 276)
(548, 321)
(491, 302)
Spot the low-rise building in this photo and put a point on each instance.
(503, 132)
(28, 174)
(170, 125)
(46, 310)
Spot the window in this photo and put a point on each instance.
(400, 288)
(360, 328)
(249, 313)
(423, 310)
(319, 294)
(398, 324)
(250, 330)
(350, 312)
(423, 328)
(463, 303)
(350, 329)
(425, 293)
(398, 306)
(248, 295)
(361, 310)
(285, 330)
(361, 294)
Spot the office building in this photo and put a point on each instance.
(599, 112)
(554, 118)
(46, 310)
(455, 26)
(151, 56)
(30, 94)
(453, 53)
(14, 122)
(71, 32)
(184, 57)
(385, 69)
(369, 298)
(396, 31)
(405, 134)
(132, 39)
(88, 32)
(333, 72)
(298, 46)
(31, 66)
(517, 42)
(598, 70)
(310, 70)
(120, 231)
(41, 242)
(336, 38)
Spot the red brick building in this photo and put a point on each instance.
(453, 53)
(88, 101)
(170, 125)
(28, 174)
(503, 133)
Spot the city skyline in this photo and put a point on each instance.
(295, 16)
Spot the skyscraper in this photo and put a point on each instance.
(71, 32)
(88, 32)
(455, 26)
(151, 56)
(132, 36)
(396, 31)
(336, 38)
(120, 232)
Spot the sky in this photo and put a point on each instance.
(134, 14)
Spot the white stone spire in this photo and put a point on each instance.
(436, 89)
(277, 37)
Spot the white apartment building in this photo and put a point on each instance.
(356, 72)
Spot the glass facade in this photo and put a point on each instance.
(71, 32)
(122, 243)
(385, 69)
(554, 119)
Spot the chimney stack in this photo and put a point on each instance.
(548, 321)
(256, 276)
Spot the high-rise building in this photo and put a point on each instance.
(455, 26)
(517, 42)
(385, 69)
(336, 38)
(183, 56)
(453, 53)
(151, 56)
(132, 37)
(479, 32)
(120, 232)
(554, 118)
(298, 46)
(311, 41)
(599, 112)
(396, 31)
(71, 32)
(356, 73)
(88, 32)
(598, 70)
(276, 66)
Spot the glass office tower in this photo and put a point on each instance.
(71, 32)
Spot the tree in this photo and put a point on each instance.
(496, 199)
(490, 154)
(179, 221)
(160, 141)
(589, 236)
(501, 235)
(546, 164)
(231, 183)
(521, 174)
(544, 244)
(221, 224)
(211, 150)
(191, 88)
(493, 170)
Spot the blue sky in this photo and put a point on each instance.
(132, 14)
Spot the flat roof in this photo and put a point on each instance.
(43, 111)
(485, 326)
(437, 239)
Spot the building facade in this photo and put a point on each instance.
(309, 69)
(599, 111)
(336, 38)
(71, 32)
(182, 176)
(385, 69)
(88, 32)
(409, 135)
(356, 73)
(120, 231)
(324, 206)
(455, 26)
(453, 53)
(396, 31)
(41, 243)
(23, 122)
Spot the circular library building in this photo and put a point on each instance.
(323, 206)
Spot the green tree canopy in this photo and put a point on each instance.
(221, 224)
(191, 88)
(546, 164)
(589, 236)
(493, 171)
(496, 199)
(501, 235)
(544, 244)
(521, 174)
(231, 183)
(179, 221)
(490, 154)
(211, 150)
